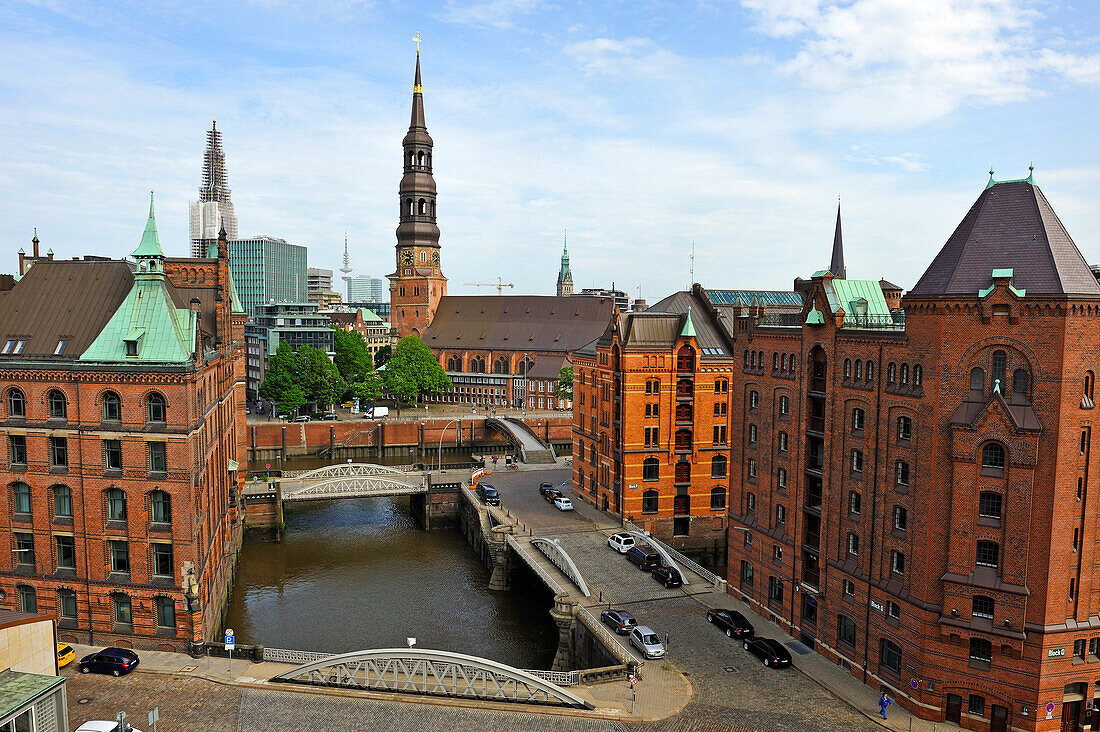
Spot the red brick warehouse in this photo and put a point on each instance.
(123, 419)
(910, 487)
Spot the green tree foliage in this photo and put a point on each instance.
(565, 384)
(300, 375)
(413, 372)
(353, 362)
(382, 355)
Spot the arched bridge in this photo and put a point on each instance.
(437, 673)
(531, 448)
(352, 480)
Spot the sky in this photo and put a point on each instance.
(641, 128)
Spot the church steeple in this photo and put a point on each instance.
(836, 266)
(418, 282)
(565, 277)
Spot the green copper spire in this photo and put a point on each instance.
(688, 330)
(150, 240)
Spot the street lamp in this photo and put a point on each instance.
(439, 458)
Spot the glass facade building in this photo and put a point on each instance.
(266, 268)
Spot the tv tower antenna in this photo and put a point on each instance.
(346, 269)
(692, 283)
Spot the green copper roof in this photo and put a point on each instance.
(18, 689)
(162, 332)
(1029, 179)
(999, 273)
(234, 301)
(814, 317)
(150, 240)
(688, 330)
(369, 316)
(856, 297)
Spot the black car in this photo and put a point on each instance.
(734, 623)
(770, 651)
(646, 560)
(619, 620)
(488, 494)
(114, 661)
(667, 576)
(544, 488)
(551, 494)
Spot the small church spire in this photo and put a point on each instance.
(565, 277)
(150, 240)
(836, 265)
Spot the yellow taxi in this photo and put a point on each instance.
(65, 655)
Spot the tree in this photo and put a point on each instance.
(382, 355)
(318, 376)
(281, 381)
(353, 362)
(300, 375)
(413, 371)
(565, 384)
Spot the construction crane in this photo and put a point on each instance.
(500, 284)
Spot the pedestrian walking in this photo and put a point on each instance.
(494, 461)
(884, 702)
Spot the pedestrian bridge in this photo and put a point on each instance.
(352, 480)
(531, 448)
(436, 673)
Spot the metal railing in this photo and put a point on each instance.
(534, 564)
(610, 641)
(894, 321)
(695, 567)
(552, 550)
(779, 320)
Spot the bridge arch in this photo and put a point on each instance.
(354, 486)
(432, 672)
(646, 539)
(561, 559)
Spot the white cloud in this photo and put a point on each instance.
(632, 57)
(500, 14)
(900, 63)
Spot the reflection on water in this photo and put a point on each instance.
(358, 573)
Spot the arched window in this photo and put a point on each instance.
(683, 472)
(891, 373)
(156, 409)
(17, 404)
(683, 413)
(1019, 382)
(112, 407)
(1090, 379)
(422, 207)
(651, 469)
(62, 501)
(423, 256)
(993, 456)
(116, 505)
(977, 380)
(717, 498)
(122, 608)
(685, 359)
(783, 363)
(752, 359)
(57, 404)
(760, 358)
(847, 368)
(420, 158)
(412, 158)
(454, 363)
(160, 507)
(718, 466)
(905, 373)
(525, 365)
(501, 366)
(21, 498)
(477, 365)
(901, 473)
(410, 206)
(1000, 360)
(649, 501)
(859, 369)
(791, 362)
(775, 362)
(870, 370)
(918, 375)
(746, 358)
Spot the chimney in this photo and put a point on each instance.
(34, 243)
(21, 255)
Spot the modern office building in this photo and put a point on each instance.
(214, 209)
(319, 289)
(267, 269)
(294, 323)
(367, 289)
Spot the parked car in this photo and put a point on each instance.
(667, 576)
(328, 417)
(734, 623)
(646, 560)
(544, 488)
(103, 726)
(552, 495)
(302, 418)
(65, 655)
(114, 661)
(646, 640)
(375, 412)
(488, 494)
(563, 504)
(618, 620)
(621, 542)
(771, 652)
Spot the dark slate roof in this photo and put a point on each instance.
(1010, 226)
(888, 285)
(518, 322)
(547, 367)
(655, 327)
(62, 299)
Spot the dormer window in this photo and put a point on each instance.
(19, 346)
(9, 346)
(131, 347)
(60, 347)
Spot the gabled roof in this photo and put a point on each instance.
(164, 332)
(1010, 226)
(63, 300)
(518, 322)
(664, 322)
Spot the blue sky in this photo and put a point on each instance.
(639, 127)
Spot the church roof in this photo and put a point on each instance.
(1010, 226)
(518, 322)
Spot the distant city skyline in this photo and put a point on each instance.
(734, 125)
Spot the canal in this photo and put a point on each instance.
(354, 574)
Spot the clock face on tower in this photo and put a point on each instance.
(435, 258)
(406, 256)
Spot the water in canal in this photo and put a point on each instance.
(353, 574)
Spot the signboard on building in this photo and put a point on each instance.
(877, 606)
(1056, 652)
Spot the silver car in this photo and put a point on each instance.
(646, 640)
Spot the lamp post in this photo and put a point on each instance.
(439, 457)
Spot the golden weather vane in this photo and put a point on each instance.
(416, 39)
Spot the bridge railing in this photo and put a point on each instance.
(610, 641)
(285, 655)
(534, 564)
(695, 567)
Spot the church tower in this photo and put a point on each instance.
(417, 284)
(565, 277)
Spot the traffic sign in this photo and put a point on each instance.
(1050, 708)
(633, 680)
(229, 642)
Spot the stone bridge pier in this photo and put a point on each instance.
(563, 613)
(500, 556)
